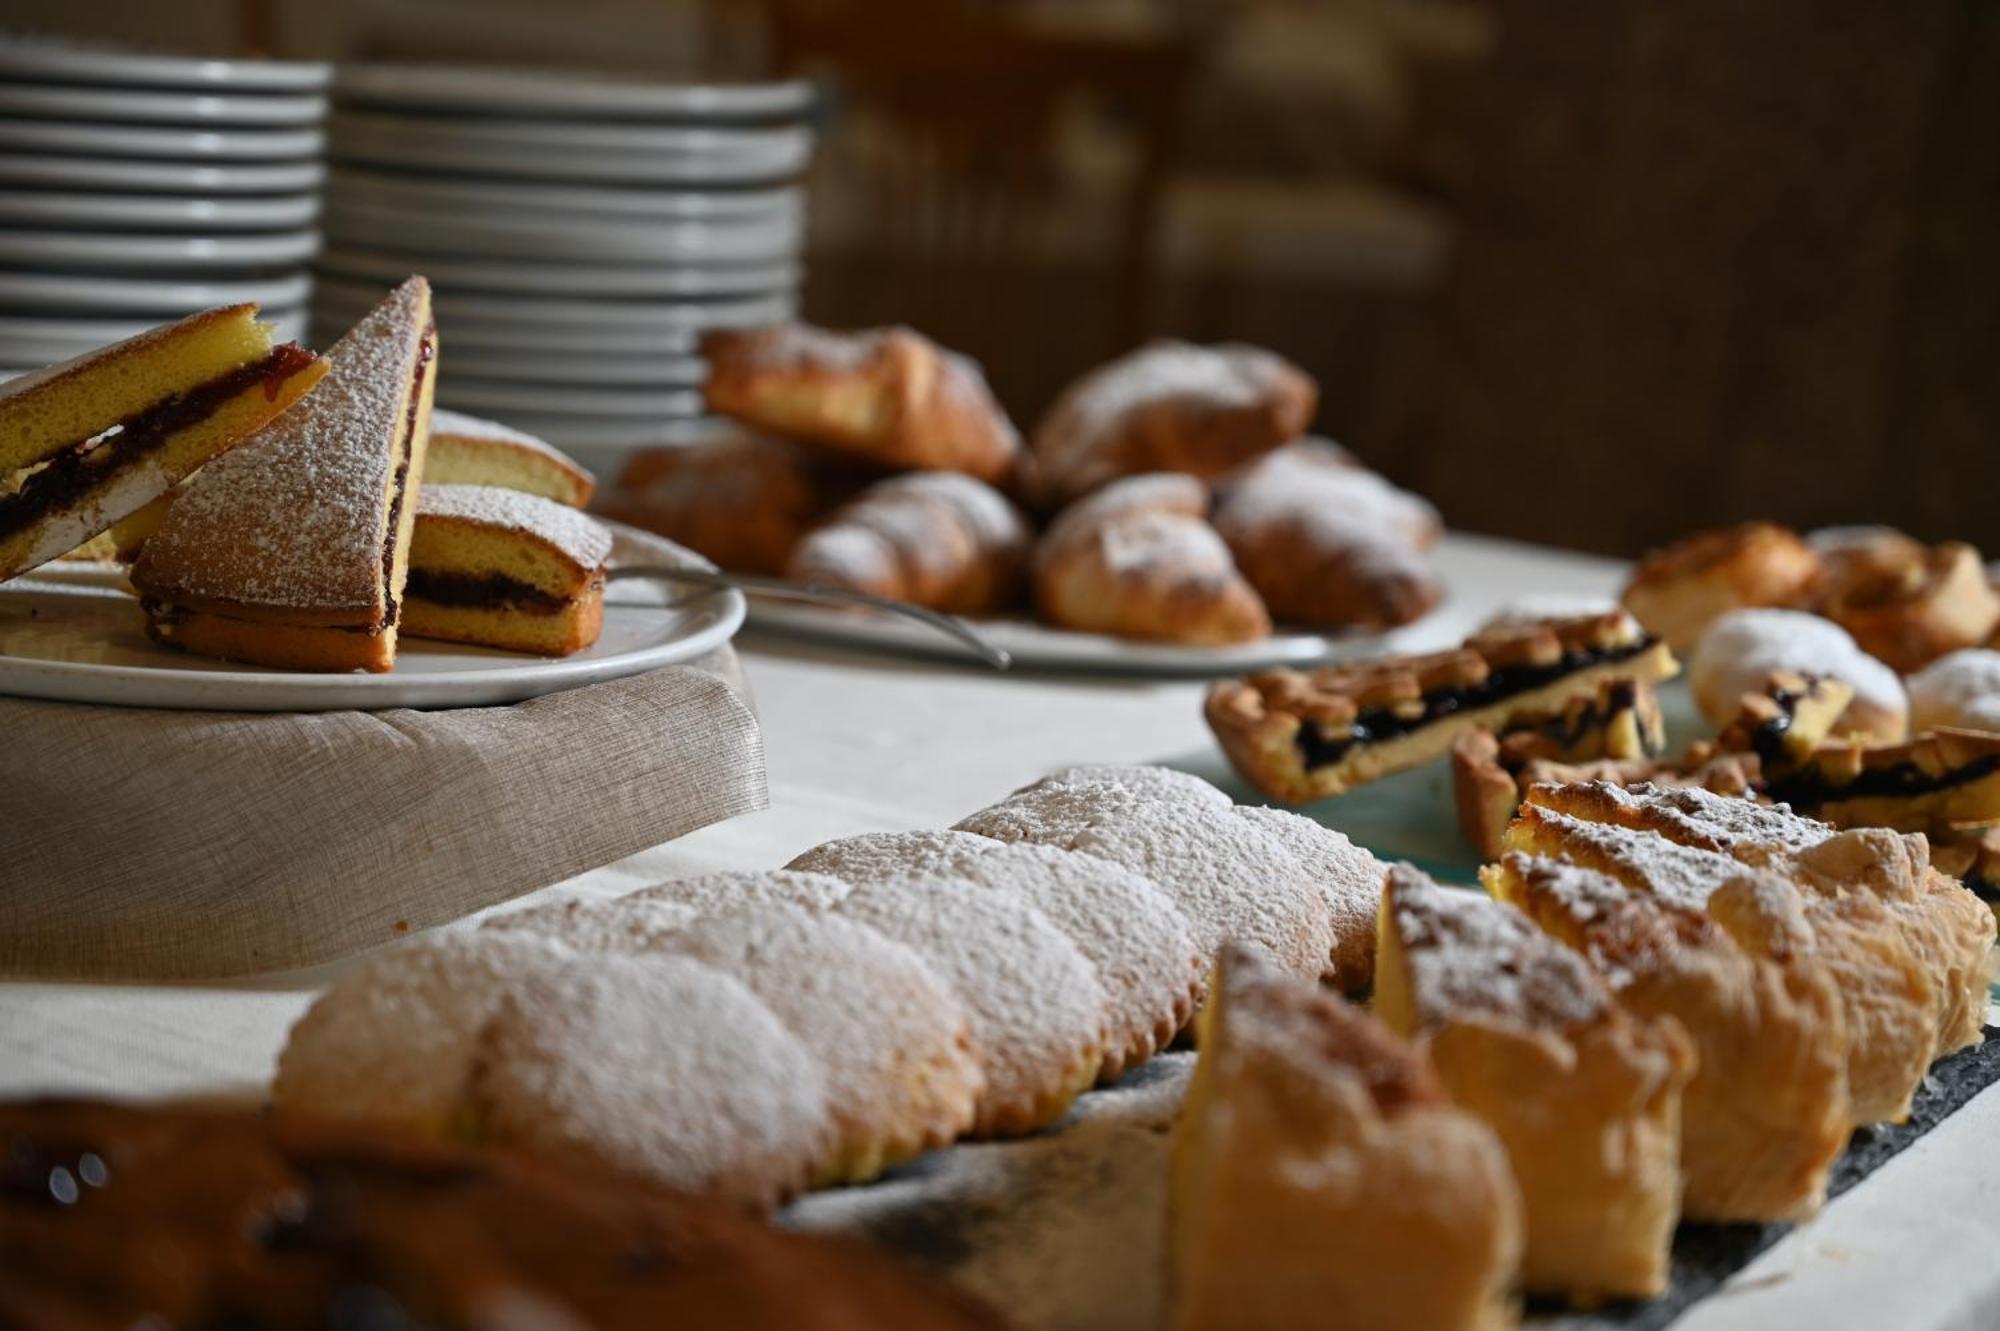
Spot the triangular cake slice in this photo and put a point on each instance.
(88, 442)
(292, 550)
(499, 568)
(1585, 1095)
(1320, 1176)
(469, 450)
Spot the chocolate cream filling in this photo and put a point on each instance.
(482, 591)
(90, 463)
(1381, 723)
(1807, 789)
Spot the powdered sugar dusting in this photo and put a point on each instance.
(984, 510)
(1686, 875)
(1036, 1008)
(1741, 648)
(1961, 690)
(448, 424)
(1348, 876)
(1326, 499)
(1729, 824)
(580, 538)
(296, 516)
(1164, 783)
(1125, 926)
(717, 893)
(1469, 955)
(1231, 879)
(1156, 542)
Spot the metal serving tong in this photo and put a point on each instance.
(712, 581)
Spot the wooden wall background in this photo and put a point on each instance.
(1716, 261)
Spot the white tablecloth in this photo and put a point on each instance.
(858, 744)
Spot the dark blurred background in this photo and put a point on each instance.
(1587, 274)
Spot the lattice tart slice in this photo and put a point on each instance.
(1585, 1096)
(1321, 1178)
(1302, 735)
(1767, 1110)
(1939, 779)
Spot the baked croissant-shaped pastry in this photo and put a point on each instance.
(1169, 406)
(1326, 542)
(743, 500)
(1907, 604)
(933, 538)
(1139, 559)
(1678, 590)
(889, 397)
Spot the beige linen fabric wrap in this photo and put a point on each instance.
(185, 845)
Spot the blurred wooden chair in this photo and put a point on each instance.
(968, 227)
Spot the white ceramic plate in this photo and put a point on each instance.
(572, 324)
(229, 145)
(54, 291)
(158, 108)
(533, 277)
(501, 91)
(505, 399)
(609, 370)
(600, 154)
(50, 348)
(505, 198)
(161, 212)
(545, 236)
(187, 178)
(45, 61)
(598, 437)
(114, 249)
(1039, 647)
(69, 637)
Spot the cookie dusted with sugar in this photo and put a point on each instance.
(1231, 879)
(902, 1074)
(1350, 878)
(520, 1040)
(1137, 940)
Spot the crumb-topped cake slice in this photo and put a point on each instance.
(1585, 1095)
(88, 442)
(291, 550)
(499, 568)
(470, 450)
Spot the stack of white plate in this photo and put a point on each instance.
(580, 233)
(138, 188)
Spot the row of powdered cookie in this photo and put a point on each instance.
(752, 1034)
(1137, 545)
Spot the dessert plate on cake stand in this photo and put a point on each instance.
(73, 634)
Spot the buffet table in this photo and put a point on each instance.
(857, 743)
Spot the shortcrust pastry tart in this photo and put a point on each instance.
(85, 444)
(1302, 735)
(1321, 1178)
(1939, 779)
(1766, 1111)
(292, 549)
(1585, 1095)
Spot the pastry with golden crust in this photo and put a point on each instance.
(1321, 1178)
(661, 1066)
(194, 1217)
(1584, 1095)
(743, 501)
(88, 442)
(939, 539)
(889, 397)
(1767, 1111)
(1960, 691)
(1739, 652)
(1169, 406)
(1910, 611)
(470, 450)
(902, 1073)
(1327, 543)
(1939, 780)
(1678, 590)
(292, 549)
(1303, 735)
(1139, 559)
(505, 569)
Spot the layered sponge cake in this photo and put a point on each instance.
(291, 550)
(88, 442)
(468, 450)
(504, 569)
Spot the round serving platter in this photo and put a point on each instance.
(1036, 646)
(70, 633)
